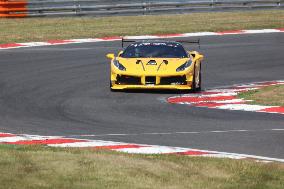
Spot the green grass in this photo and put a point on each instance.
(41, 29)
(42, 167)
(272, 95)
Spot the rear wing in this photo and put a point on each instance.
(123, 41)
(190, 42)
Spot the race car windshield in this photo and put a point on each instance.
(154, 50)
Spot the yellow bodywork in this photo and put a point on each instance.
(159, 70)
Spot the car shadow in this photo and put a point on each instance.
(157, 91)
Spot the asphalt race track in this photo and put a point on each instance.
(64, 90)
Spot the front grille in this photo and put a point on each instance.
(128, 80)
(174, 80)
(150, 80)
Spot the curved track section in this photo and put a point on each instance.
(63, 90)
(227, 98)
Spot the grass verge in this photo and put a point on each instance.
(41, 29)
(272, 95)
(42, 167)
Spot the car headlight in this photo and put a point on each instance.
(184, 66)
(118, 65)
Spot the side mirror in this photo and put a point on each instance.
(110, 56)
(199, 56)
(120, 52)
(196, 55)
(190, 53)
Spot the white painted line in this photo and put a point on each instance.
(141, 37)
(243, 107)
(229, 93)
(74, 41)
(199, 34)
(217, 94)
(142, 148)
(235, 90)
(223, 156)
(178, 132)
(186, 132)
(215, 98)
(228, 155)
(13, 47)
(277, 129)
(168, 149)
(157, 133)
(25, 137)
(35, 44)
(231, 101)
(12, 139)
(91, 143)
(89, 40)
(153, 150)
(261, 31)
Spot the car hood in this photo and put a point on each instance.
(152, 65)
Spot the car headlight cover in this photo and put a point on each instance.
(118, 65)
(184, 66)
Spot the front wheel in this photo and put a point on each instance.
(113, 90)
(196, 83)
(110, 86)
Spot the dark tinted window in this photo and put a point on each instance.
(154, 50)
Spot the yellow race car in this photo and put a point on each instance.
(155, 65)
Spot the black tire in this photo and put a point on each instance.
(113, 90)
(193, 85)
(193, 89)
(199, 85)
(110, 87)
